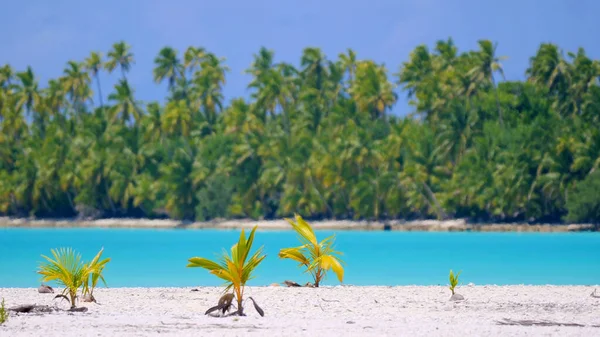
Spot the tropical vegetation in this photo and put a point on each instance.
(235, 269)
(317, 257)
(316, 138)
(69, 270)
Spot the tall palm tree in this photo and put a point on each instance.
(314, 66)
(348, 62)
(27, 92)
(93, 64)
(193, 57)
(55, 96)
(167, 66)
(76, 83)
(125, 105)
(487, 64)
(7, 75)
(548, 67)
(371, 90)
(120, 56)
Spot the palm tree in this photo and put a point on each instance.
(55, 96)
(167, 66)
(27, 93)
(193, 57)
(93, 64)
(76, 83)
(371, 90)
(314, 66)
(487, 64)
(125, 105)
(261, 66)
(120, 56)
(348, 62)
(548, 67)
(6, 76)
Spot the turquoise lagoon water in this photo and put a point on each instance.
(158, 257)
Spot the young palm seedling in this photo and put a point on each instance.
(316, 257)
(3, 313)
(453, 283)
(97, 267)
(70, 271)
(235, 270)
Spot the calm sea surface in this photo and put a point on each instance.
(158, 258)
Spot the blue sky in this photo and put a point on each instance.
(46, 34)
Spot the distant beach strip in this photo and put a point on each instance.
(458, 225)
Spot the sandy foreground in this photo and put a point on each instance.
(393, 225)
(327, 311)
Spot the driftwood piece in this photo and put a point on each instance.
(32, 308)
(291, 283)
(530, 322)
(295, 284)
(42, 309)
(78, 309)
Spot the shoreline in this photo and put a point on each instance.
(456, 225)
(330, 310)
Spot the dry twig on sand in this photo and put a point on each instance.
(529, 322)
(41, 309)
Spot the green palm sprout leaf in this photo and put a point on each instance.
(453, 280)
(317, 257)
(67, 269)
(96, 267)
(235, 269)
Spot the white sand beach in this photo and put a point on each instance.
(279, 224)
(327, 311)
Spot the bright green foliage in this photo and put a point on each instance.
(317, 257)
(453, 280)
(319, 138)
(583, 203)
(3, 313)
(67, 268)
(235, 269)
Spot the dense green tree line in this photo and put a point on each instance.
(317, 139)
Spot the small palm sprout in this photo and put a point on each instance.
(3, 313)
(97, 267)
(317, 257)
(236, 270)
(70, 271)
(453, 280)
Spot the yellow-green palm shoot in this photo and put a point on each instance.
(3, 313)
(453, 280)
(236, 269)
(97, 267)
(317, 257)
(68, 270)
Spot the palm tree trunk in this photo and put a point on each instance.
(112, 205)
(497, 101)
(99, 90)
(441, 212)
